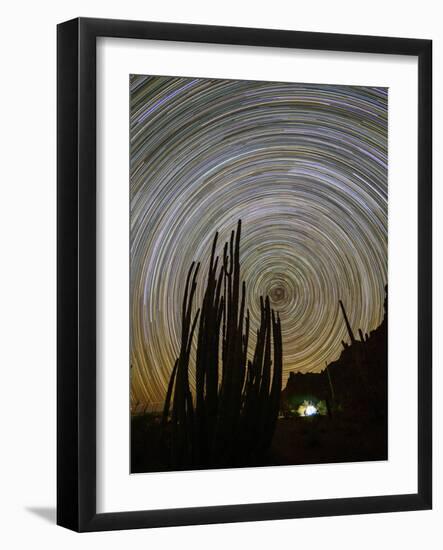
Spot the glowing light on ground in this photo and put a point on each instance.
(307, 409)
(310, 410)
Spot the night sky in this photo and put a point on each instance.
(304, 166)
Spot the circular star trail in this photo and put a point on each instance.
(304, 166)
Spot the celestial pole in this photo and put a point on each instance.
(304, 166)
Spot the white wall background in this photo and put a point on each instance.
(27, 271)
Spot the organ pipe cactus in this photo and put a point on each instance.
(231, 418)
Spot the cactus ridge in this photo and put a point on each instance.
(231, 417)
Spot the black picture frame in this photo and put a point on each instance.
(76, 274)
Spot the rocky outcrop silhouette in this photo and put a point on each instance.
(354, 385)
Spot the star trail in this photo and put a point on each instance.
(304, 166)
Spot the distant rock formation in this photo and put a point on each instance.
(354, 385)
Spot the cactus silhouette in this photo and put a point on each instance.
(232, 415)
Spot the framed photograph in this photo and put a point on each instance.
(244, 274)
